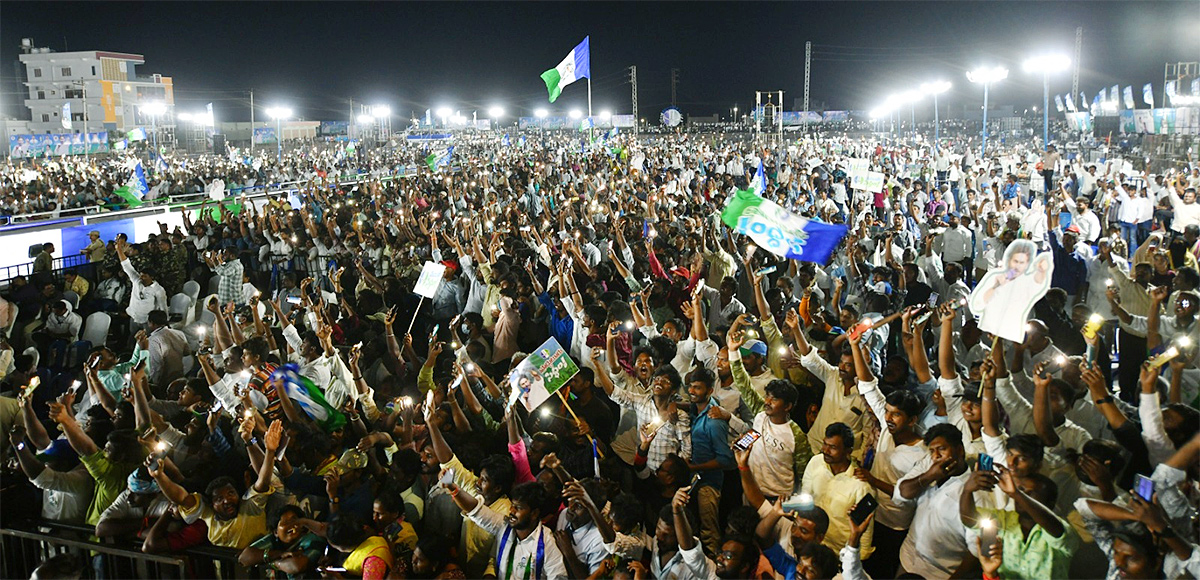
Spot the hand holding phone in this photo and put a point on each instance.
(747, 439)
(865, 507)
(1144, 488)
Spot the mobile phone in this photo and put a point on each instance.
(337, 569)
(767, 270)
(141, 365)
(751, 319)
(1144, 488)
(868, 459)
(986, 463)
(436, 328)
(866, 506)
(695, 480)
(293, 299)
(933, 299)
(747, 439)
(447, 477)
(95, 361)
(987, 535)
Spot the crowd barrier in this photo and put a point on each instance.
(24, 547)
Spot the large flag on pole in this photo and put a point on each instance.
(780, 231)
(1169, 89)
(66, 115)
(1058, 103)
(1083, 102)
(439, 159)
(1129, 98)
(575, 66)
(1070, 102)
(1148, 95)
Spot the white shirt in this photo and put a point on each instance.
(836, 406)
(66, 494)
(143, 298)
(891, 461)
(955, 244)
(522, 553)
(936, 542)
(587, 541)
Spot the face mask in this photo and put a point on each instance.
(465, 329)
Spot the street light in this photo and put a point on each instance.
(986, 76)
(279, 114)
(934, 89)
(1046, 64)
(443, 113)
(154, 109)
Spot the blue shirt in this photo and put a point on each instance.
(562, 328)
(781, 561)
(710, 440)
(1010, 190)
(1070, 271)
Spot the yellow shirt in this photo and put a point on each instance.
(837, 494)
(248, 525)
(474, 542)
(80, 286)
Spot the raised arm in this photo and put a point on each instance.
(946, 345)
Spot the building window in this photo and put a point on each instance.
(93, 71)
(37, 73)
(45, 118)
(66, 71)
(41, 94)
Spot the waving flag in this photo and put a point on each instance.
(438, 159)
(1070, 102)
(305, 394)
(759, 183)
(1098, 101)
(160, 164)
(1148, 95)
(576, 65)
(1169, 89)
(1114, 96)
(1129, 98)
(587, 123)
(1083, 102)
(506, 141)
(521, 141)
(1058, 103)
(135, 189)
(780, 231)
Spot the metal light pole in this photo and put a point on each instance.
(279, 114)
(986, 76)
(1046, 65)
(934, 89)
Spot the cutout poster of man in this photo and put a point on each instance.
(1006, 294)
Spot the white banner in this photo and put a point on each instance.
(431, 278)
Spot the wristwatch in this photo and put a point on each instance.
(1103, 400)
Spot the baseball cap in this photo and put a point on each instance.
(755, 346)
(1073, 229)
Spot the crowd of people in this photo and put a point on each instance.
(735, 414)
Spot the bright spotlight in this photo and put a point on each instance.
(1047, 63)
(444, 112)
(154, 108)
(496, 112)
(986, 75)
(541, 113)
(575, 113)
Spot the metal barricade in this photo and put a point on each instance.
(22, 550)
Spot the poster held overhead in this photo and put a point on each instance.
(1006, 294)
(541, 375)
(427, 286)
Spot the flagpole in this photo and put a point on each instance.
(591, 121)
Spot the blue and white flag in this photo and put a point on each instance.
(137, 182)
(1196, 87)
(428, 117)
(66, 115)
(587, 123)
(612, 133)
(1098, 102)
(1148, 95)
(759, 184)
(1058, 103)
(138, 134)
(1083, 102)
(160, 164)
(521, 141)
(1129, 98)
(780, 231)
(1169, 89)
(1070, 102)
(506, 141)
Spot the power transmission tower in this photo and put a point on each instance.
(674, 81)
(633, 81)
(1075, 72)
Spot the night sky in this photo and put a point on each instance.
(316, 56)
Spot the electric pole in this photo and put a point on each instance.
(807, 64)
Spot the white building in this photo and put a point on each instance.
(103, 89)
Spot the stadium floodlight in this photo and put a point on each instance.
(986, 76)
(365, 119)
(381, 111)
(541, 113)
(575, 114)
(1046, 64)
(496, 112)
(184, 116)
(934, 89)
(444, 112)
(605, 115)
(154, 108)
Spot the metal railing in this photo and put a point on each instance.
(56, 268)
(23, 548)
(192, 198)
